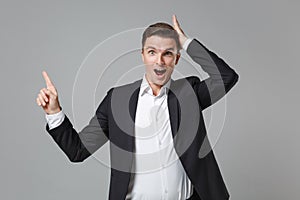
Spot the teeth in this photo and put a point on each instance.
(160, 71)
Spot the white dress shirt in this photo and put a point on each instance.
(159, 174)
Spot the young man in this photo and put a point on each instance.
(155, 125)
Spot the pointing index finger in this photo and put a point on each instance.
(47, 79)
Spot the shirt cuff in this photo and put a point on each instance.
(54, 120)
(186, 43)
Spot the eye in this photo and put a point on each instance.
(168, 53)
(151, 52)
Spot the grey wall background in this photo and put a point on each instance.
(258, 150)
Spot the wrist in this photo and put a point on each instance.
(183, 39)
(186, 43)
(55, 111)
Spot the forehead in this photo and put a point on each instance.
(161, 43)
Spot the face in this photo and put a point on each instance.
(160, 56)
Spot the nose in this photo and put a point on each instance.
(160, 60)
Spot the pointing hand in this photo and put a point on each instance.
(48, 98)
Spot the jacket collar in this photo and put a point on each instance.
(172, 103)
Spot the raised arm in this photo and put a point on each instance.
(77, 146)
(221, 76)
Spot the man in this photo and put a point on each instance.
(155, 125)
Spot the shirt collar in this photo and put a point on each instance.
(145, 87)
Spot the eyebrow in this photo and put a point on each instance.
(168, 49)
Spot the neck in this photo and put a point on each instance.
(155, 88)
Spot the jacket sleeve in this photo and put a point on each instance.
(79, 146)
(221, 77)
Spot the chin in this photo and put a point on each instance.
(161, 83)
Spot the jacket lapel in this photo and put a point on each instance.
(132, 109)
(173, 107)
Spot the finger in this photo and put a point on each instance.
(173, 19)
(49, 93)
(175, 22)
(43, 103)
(42, 92)
(44, 96)
(47, 79)
(176, 25)
(38, 101)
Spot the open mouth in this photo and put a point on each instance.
(160, 72)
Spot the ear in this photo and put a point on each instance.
(177, 58)
(142, 54)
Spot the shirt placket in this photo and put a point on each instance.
(158, 103)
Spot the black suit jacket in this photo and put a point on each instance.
(187, 98)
